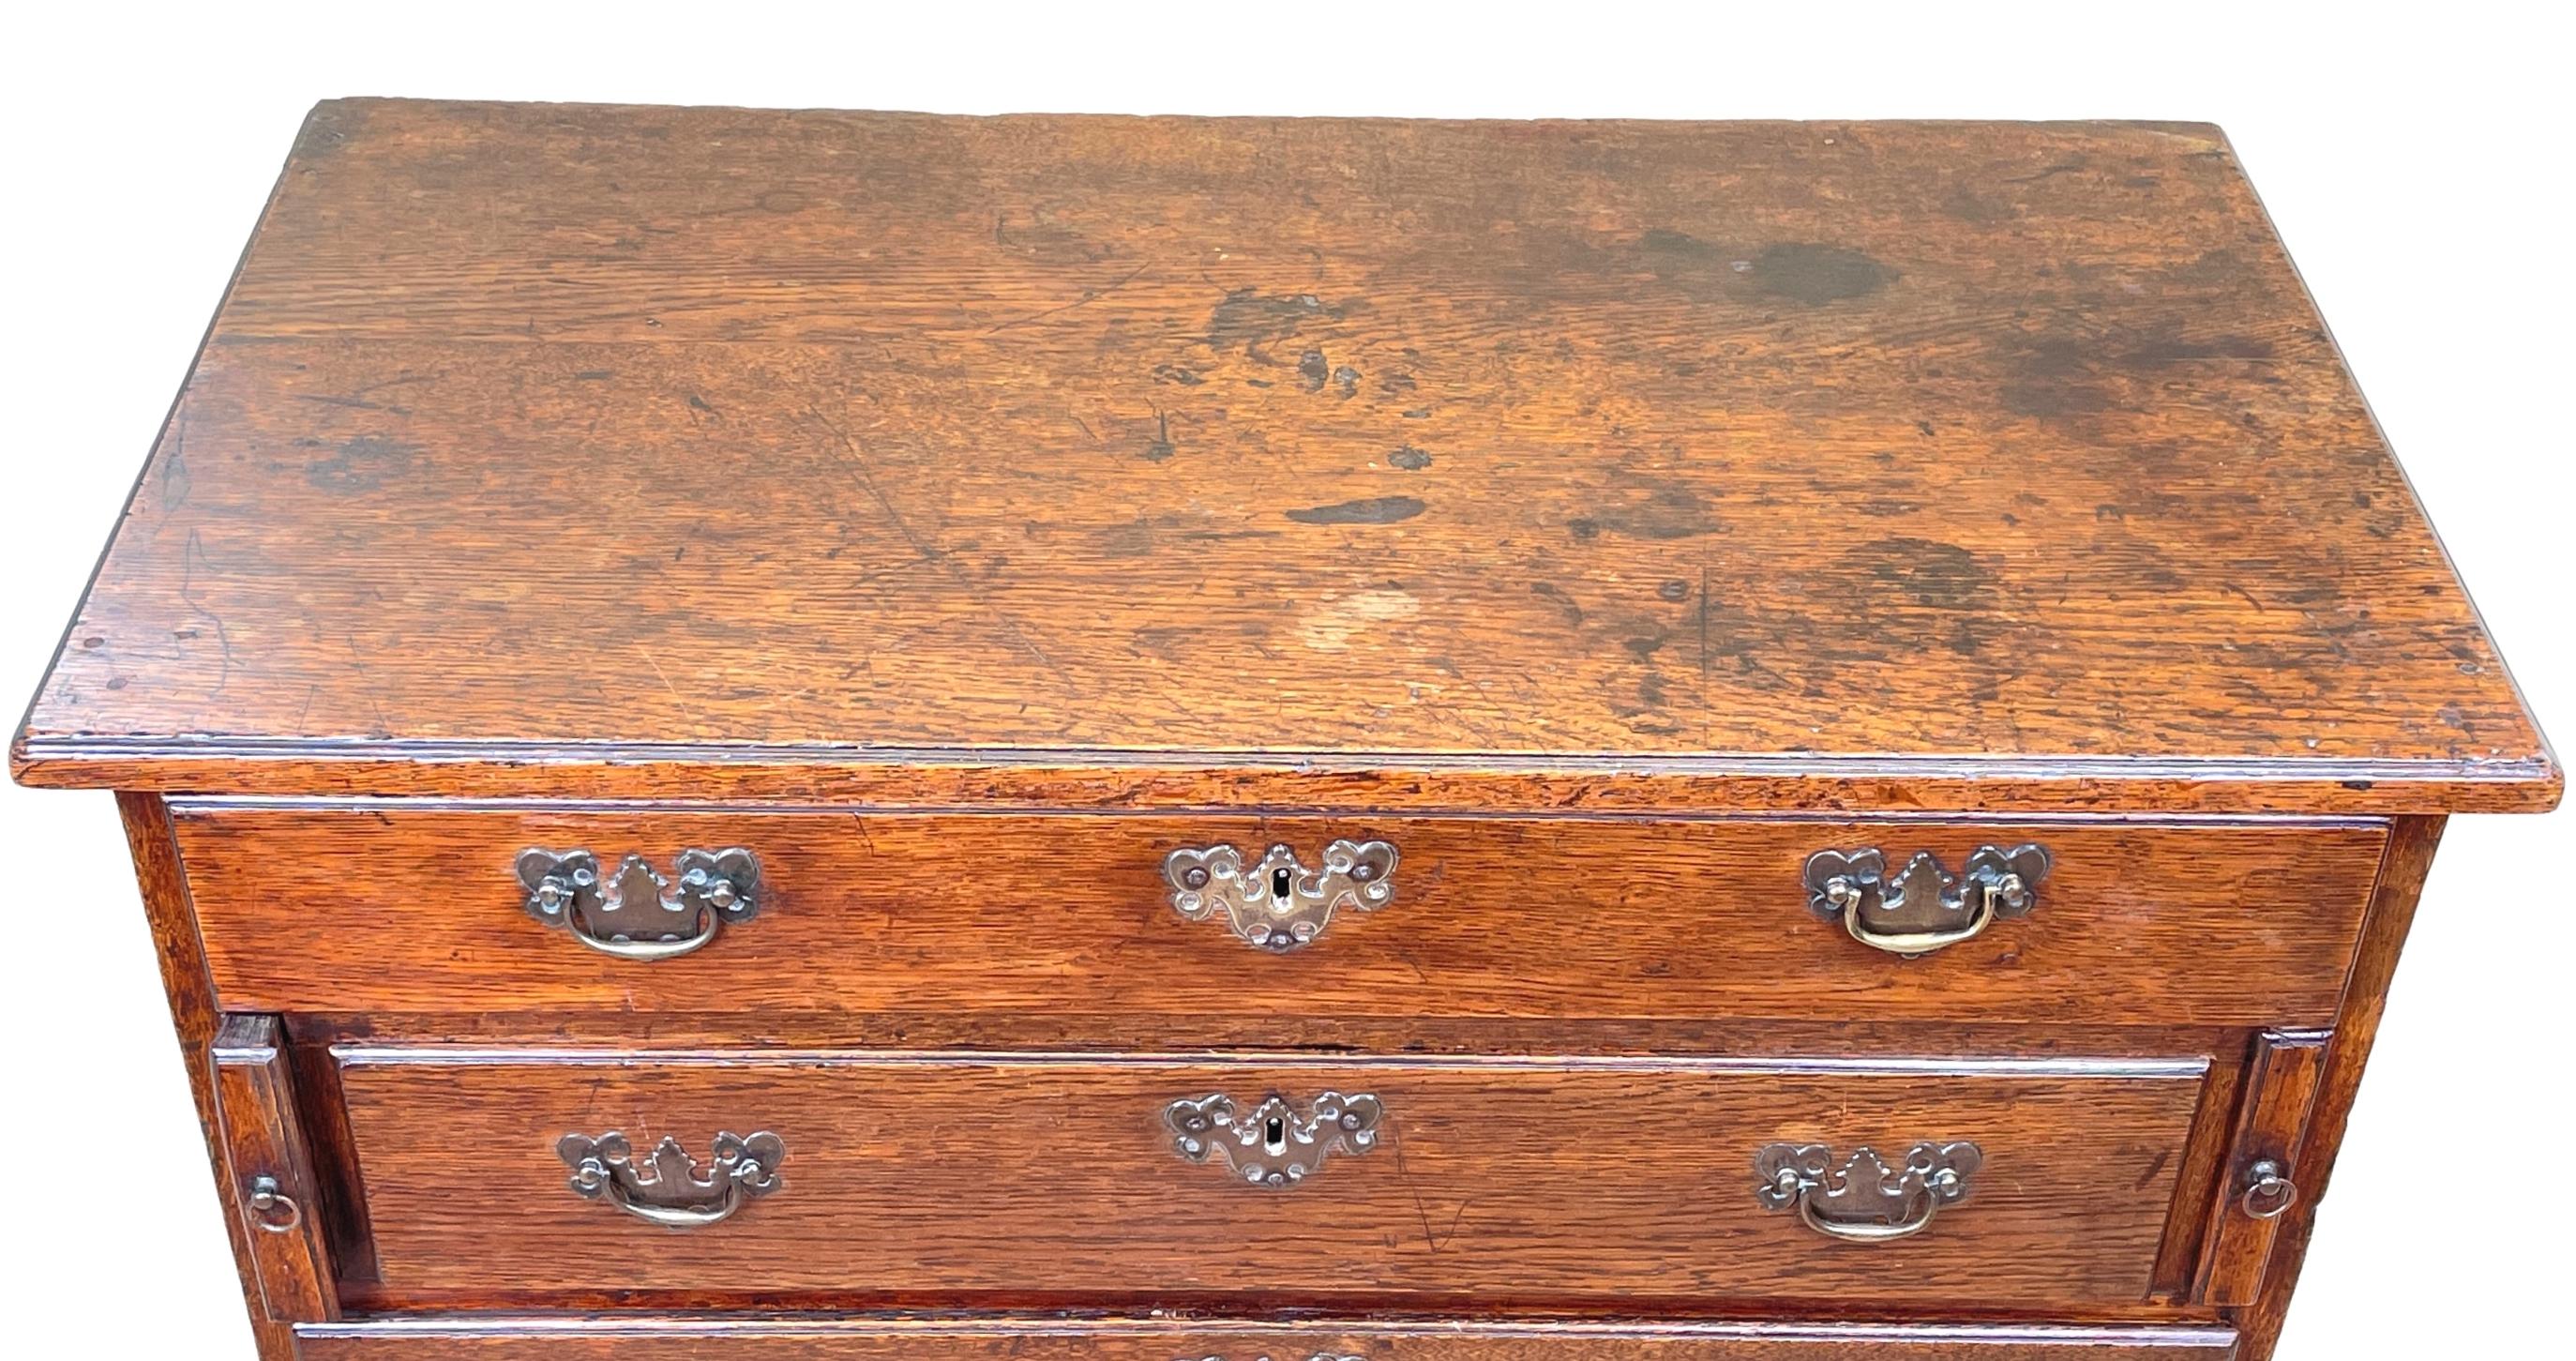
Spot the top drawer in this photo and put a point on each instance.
(382, 907)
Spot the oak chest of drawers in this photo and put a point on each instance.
(847, 736)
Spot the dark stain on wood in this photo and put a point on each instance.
(2156, 354)
(1248, 318)
(1807, 273)
(362, 463)
(1565, 603)
(1313, 371)
(1813, 275)
(1374, 510)
(1657, 511)
(1667, 363)
(1699, 599)
(1940, 576)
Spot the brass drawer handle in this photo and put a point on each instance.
(638, 914)
(1865, 1201)
(1921, 908)
(1276, 1145)
(672, 1193)
(2269, 1193)
(271, 1209)
(1280, 905)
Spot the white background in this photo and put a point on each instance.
(2416, 160)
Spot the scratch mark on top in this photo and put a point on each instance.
(1703, 619)
(1089, 296)
(175, 478)
(353, 403)
(189, 560)
(650, 660)
(854, 459)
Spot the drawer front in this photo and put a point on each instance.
(963, 1178)
(864, 1339)
(388, 910)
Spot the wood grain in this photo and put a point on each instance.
(962, 513)
(2392, 913)
(1345, 1034)
(539, 435)
(388, 908)
(1125, 780)
(264, 1141)
(181, 956)
(791, 1338)
(2272, 1119)
(960, 1176)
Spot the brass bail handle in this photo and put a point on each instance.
(1861, 1199)
(1849, 898)
(669, 1187)
(1923, 907)
(636, 913)
(1869, 1233)
(679, 1216)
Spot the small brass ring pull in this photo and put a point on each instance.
(1864, 1200)
(1922, 908)
(271, 1209)
(636, 913)
(1278, 904)
(2269, 1193)
(670, 1190)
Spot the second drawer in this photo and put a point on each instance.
(854, 1176)
(386, 908)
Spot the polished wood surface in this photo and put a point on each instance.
(1349, 1034)
(2392, 913)
(963, 1176)
(264, 1147)
(180, 954)
(2271, 1119)
(2155, 923)
(791, 1338)
(962, 514)
(1854, 465)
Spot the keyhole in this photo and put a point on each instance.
(1279, 881)
(1274, 1134)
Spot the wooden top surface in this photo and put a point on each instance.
(550, 447)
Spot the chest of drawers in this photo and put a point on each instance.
(821, 737)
